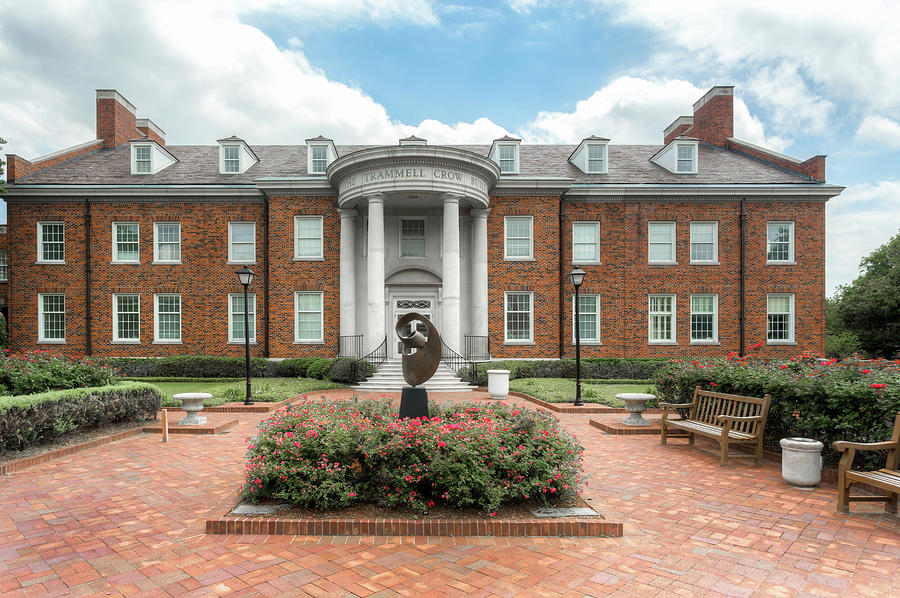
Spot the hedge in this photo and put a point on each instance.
(854, 400)
(28, 420)
(597, 368)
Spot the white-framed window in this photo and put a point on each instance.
(308, 237)
(518, 240)
(4, 266)
(685, 158)
(508, 158)
(412, 237)
(126, 318)
(780, 242)
(518, 321)
(588, 318)
(596, 158)
(51, 318)
(142, 159)
(779, 318)
(585, 242)
(231, 159)
(704, 242)
(167, 318)
(704, 318)
(167, 242)
(236, 317)
(51, 245)
(242, 242)
(308, 317)
(661, 325)
(126, 243)
(319, 160)
(661, 242)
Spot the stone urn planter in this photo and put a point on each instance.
(192, 403)
(801, 461)
(498, 384)
(635, 403)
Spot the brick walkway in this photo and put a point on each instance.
(126, 519)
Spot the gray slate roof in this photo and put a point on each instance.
(199, 164)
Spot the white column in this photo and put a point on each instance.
(375, 316)
(348, 272)
(450, 321)
(479, 272)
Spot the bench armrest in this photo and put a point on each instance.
(676, 405)
(843, 445)
(735, 418)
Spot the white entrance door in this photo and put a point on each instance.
(405, 305)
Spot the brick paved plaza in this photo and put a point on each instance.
(127, 519)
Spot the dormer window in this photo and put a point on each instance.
(590, 155)
(231, 156)
(679, 156)
(505, 152)
(596, 157)
(142, 164)
(149, 157)
(235, 156)
(686, 158)
(319, 159)
(320, 152)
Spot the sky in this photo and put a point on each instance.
(810, 78)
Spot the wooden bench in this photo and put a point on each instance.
(730, 419)
(887, 479)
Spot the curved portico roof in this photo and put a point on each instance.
(413, 169)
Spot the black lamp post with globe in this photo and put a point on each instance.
(577, 276)
(245, 275)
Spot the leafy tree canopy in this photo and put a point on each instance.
(870, 305)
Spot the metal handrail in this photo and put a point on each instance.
(477, 348)
(376, 357)
(456, 362)
(350, 346)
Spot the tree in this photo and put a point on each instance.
(839, 341)
(869, 306)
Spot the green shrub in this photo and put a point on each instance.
(350, 371)
(37, 418)
(4, 332)
(623, 369)
(331, 454)
(293, 368)
(828, 400)
(193, 366)
(40, 371)
(318, 368)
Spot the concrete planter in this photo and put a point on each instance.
(801, 461)
(192, 403)
(498, 384)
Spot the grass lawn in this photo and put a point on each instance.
(265, 390)
(562, 390)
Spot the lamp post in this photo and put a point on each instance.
(577, 276)
(245, 275)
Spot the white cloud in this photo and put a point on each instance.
(878, 132)
(523, 7)
(793, 105)
(858, 221)
(419, 12)
(850, 54)
(482, 131)
(634, 110)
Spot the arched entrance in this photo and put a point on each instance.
(411, 290)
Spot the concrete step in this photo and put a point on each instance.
(389, 377)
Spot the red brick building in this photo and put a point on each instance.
(702, 245)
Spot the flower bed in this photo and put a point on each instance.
(332, 454)
(829, 400)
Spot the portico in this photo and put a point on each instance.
(413, 233)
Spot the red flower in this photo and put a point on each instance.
(713, 384)
(879, 386)
(867, 371)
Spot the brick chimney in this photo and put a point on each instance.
(677, 128)
(713, 120)
(151, 129)
(116, 122)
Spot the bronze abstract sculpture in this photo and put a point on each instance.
(421, 357)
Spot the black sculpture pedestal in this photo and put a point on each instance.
(413, 402)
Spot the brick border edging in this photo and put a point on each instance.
(19, 464)
(569, 527)
(633, 430)
(566, 408)
(201, 429)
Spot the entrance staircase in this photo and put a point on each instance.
(389, 378)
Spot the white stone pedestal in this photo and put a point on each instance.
(636, 403)
(498, 384)
(801, 461)
(192, 403)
